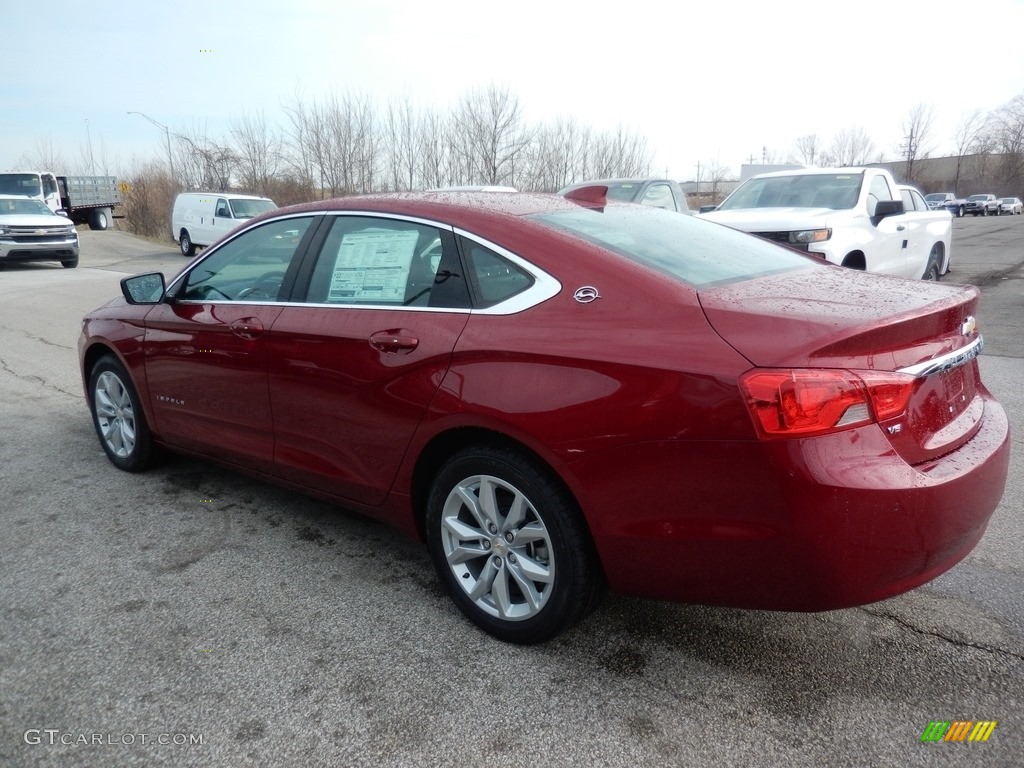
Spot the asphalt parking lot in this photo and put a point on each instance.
(193, 616)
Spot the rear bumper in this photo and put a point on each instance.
(817, 524)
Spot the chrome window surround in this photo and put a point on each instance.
(544, 286)
(946, 362)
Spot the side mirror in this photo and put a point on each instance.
(707, 208)
(62, 212)
(888, 208)
(143, 289)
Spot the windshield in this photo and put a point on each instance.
(694, 251)
(1010, 200)
(24, 205)
(978, 197)
(246, 209)
(20, 184)
(814, 190)
(935, 196)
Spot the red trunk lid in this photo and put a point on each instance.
(842, 319)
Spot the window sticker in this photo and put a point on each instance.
(372, 266)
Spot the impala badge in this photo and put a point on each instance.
(968, 326)
(586, 294)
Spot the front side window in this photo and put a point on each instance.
(250, 267)
(878, 191)
(222, 209)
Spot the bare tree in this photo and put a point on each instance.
(851, 146)
(917, 133)
(45, 157)
(807, 149)
(432, 148)
(971, 126)
(492, 135)
(1008, 130)
(258, 151)
(714, 175)
(401, 134)
(203, 163)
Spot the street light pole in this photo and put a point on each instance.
(167, 134)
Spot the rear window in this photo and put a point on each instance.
(692, 250)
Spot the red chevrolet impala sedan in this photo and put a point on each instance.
(561, 395)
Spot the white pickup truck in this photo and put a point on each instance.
(854, 217)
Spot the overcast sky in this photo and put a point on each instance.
(712, 81)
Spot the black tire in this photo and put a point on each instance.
(960, 212)
(99, 220)
(69, 263)
(523, 579)
(984, 211)
(934, 269)
(188, 248)
(118, 417)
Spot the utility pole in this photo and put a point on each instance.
(167, 134)
(88, 138)
(696, 190)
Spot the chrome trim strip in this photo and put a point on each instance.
(544, 287)
(947, 361)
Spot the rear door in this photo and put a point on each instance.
(356, 360)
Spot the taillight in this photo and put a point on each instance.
(811, 401)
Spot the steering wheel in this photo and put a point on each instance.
(267, 287)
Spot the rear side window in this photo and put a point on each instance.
(692, 250)
(369, 261)
(494, 278)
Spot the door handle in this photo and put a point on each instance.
(247, 328)
(900, 227)
(398, 341)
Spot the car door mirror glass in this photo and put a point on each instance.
(143, 289)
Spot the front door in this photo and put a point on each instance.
(208, 345)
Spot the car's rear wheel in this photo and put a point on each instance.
(69, 263)
(118, 417)
(188, 248)
(510, 545)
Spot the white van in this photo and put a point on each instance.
(200, 218)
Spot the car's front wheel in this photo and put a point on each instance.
(117, 416)
(934, 269)
(510, 545)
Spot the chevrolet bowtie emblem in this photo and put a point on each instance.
(969, 325)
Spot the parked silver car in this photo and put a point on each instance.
(29, 231)
(1010, 205)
